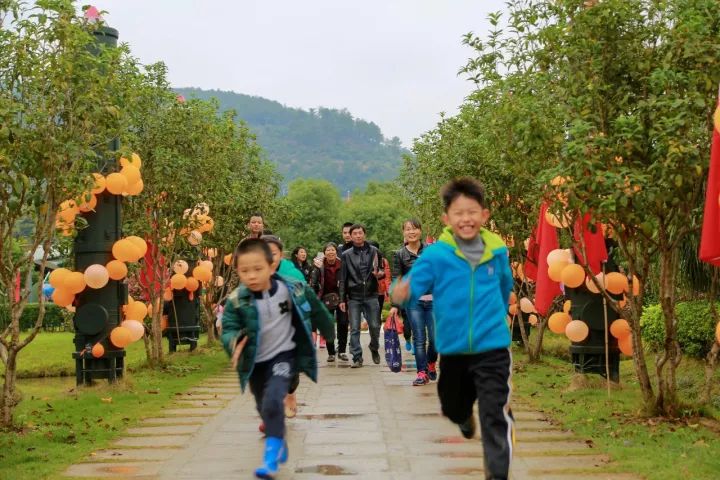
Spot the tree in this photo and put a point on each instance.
(59, 108)
(314, 219)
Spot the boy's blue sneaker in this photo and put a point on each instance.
(408, 346)
(275, 452)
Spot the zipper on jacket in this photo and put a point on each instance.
(472, 305)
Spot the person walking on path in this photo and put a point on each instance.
(326, 279)
(299, 258)
(266, 332)
(256, 225)
(420, 314)
(359, 277)
(347, 239)
(468, 273)
(384, 282)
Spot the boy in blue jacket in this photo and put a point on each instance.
(266, 329)
(468, 273)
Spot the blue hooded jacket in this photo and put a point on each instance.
(470, 302)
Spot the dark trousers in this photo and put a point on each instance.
(407, 327)
(484, 377)
(343, 327)
(371, 309)
(270, 383)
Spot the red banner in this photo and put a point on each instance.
(710, 240)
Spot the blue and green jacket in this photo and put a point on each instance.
(470, 302)
(289, 270)
(240, 318)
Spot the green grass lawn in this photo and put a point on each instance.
(50, 355)
(655, 448)
(61, 424)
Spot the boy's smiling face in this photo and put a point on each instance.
(254, 271)
(465, 216)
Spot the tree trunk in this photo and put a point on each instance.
(711, 361)
(536, 348)
(210, 325)
(667, 402)
(9, 396)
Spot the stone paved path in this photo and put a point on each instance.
(364, 423)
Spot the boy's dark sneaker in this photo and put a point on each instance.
(467, 428)
(343, 357)
(432, 371)
(331, 358)
(357, 364)
(376, 357)
(422, 379)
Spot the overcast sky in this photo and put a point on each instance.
(393, 62)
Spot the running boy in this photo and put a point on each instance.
(468, 273)
(266, 331)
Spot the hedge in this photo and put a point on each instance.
(696, 327)
(56, 318)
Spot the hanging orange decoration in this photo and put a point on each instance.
(135, 188)
(590, 285)
(75, 282)
(533, 319)
(626, 346)
(616, 282)
(139, 243)
(207, 264)
(202, 274)
(121, 337)
(558, 321)
(526, 305)
(62, 297)
(96, 276)
(136, 311)
(573, 275)
(555, 270)
(192, 284)
(577, 331)
(117, 270)
(98, 184)
(227, 259)
(181, 267)
(137, 330)
(57, 277)
(559, 255)
(125, 251)
(194, 238)
(87, 203)
(132, 174)
(116, 183)
(98, 350)
(68, 211)
(167, 295)
(620, 328)
(178, 281)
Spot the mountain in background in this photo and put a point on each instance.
(319, 143)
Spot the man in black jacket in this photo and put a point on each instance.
(361, 269)
(347, 241)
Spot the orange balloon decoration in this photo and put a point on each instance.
(513, 298)
(96, 276)
(167, 294)
(207, 264)
(513, 309)
(132, 174)
(192, 284)
(212, 252)
(620, 328)
(137, 330)
(135, 188)
(616, 282)
(136, 311)
(626, 346)
(590, 285)
(99, 184)
(567, 306)
(219, 281)
(139, 243)
(635, 286)
(227, 259)
(559, 255)
(116, 183)
(68, 211)
(202, 274)
(555, 270)
(181, 267)
(194, 238)
(717, 332)
(125, 251)
(134, 160)
(533, 319)
(75, 282)
(178, 281)
(62, 297)
(121, 337)
(87, 204)
(117, 270)
(98, 350)
(577, 331)
(558, 321)
(573, 275)
(58, 276)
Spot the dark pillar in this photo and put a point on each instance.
(99, 311)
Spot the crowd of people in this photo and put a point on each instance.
(452, 295)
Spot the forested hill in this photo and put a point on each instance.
(319, 143)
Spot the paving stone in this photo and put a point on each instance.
(156, 441)
(172, 421)
(114, 470)
(132, 454)
(191, 412)
(164, 430)
(189, 402)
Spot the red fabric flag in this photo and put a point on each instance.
(710, 239)
(542, 242)
(592, 237)
(148, 279)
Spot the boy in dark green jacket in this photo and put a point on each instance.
(266, 331)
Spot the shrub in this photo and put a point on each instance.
(696, 327)
(56, 318)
